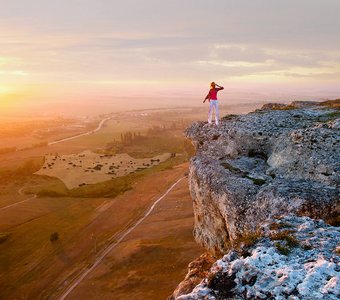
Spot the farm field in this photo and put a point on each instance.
(54, 223)
(152, 259)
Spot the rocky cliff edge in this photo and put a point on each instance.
(277, 161)
(260, 165)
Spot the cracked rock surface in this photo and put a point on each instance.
(293, 258)
(261, 165)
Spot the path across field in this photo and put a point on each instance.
(100, 125)
(110, 247)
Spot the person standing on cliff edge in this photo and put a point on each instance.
(212, 97)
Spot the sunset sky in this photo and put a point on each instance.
(85, 49)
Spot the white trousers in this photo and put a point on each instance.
(213, 105)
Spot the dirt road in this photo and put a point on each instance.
(17, 203)
(100, 125)
(149, 260)
(110, 247)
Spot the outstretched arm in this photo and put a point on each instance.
(207, 97)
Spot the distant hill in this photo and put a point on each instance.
(331, 103)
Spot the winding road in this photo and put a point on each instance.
(14, 204)
(100, 125)
(110, 247)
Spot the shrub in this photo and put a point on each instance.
(275, 226)
(54, 237)
(282, 249)
(247, 239)
(229, 117)
(287, 236)
(286, 241)
(307, 247)
(3, 237)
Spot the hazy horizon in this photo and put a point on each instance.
(104, 105)
(115, 55)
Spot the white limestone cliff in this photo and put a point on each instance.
(251, 170)
(264, 164)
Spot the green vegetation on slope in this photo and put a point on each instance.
(156, 141)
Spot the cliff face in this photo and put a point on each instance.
(261, 165)
(257, 182)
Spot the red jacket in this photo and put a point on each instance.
(212, 95)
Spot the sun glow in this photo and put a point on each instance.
(11, 94)
(4, 89)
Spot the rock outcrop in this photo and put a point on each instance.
(197, 271)
(293, 258)
(257, 182)
(261, 165)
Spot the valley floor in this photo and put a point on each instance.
(148, 263)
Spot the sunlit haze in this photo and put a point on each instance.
(123, 167)
(108, 54)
